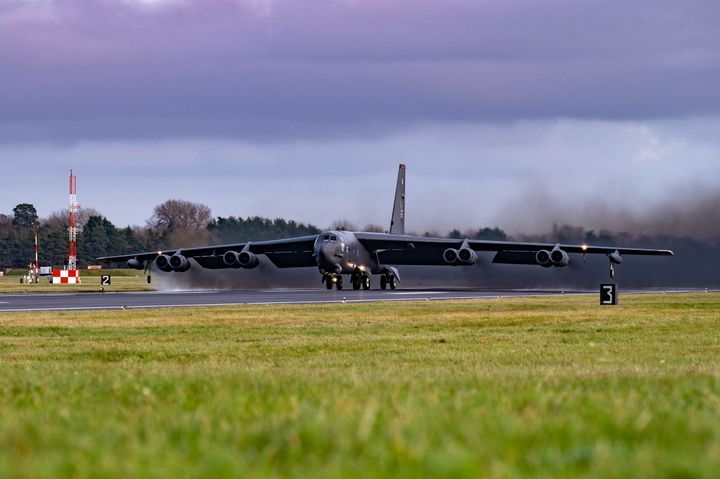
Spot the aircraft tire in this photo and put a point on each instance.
(355, 283)
(328, 283)
(366, 282)
(393, 282)
(383, 282)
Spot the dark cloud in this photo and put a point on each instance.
(268, 70)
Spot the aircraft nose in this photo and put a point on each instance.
(328, 258)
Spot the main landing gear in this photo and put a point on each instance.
(360, 280)
(388, 280)
(331, 280)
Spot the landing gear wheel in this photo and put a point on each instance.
(328, 283)
(355, 282)
(339, 285)
(366, 282)
(393, 282)
(383, 282)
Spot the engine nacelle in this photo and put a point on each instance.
(179, 263)
(615, 257)
(136, 264)
(467, 256)
(450, 256)
(559, 258)
(163, 263)
(542, 258)
(247, 260)
(230, 258)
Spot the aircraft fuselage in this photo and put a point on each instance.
(339, 252)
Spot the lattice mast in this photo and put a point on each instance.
(72, 223)
(37, 262)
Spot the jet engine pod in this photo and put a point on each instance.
(559, 257)
(163, 263)
(248, 260)
(230, 258)
(136, 264)
(179, 263)
(450, 256)
(543, 258)
(467, 256)
(615, 257)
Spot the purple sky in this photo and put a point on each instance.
(304, 108)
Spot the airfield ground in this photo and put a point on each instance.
(534, 387)
(122, 280)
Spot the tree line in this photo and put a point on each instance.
(174, 223)
(179, 223)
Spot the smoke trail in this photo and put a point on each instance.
(688, 222)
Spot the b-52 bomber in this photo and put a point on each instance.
(360, 255)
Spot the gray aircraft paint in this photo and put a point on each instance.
(397, 223)
(361, 254)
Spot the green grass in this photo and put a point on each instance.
(122, 280)
(540, 387)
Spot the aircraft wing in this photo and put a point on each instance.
(418, 250)
(284, 253)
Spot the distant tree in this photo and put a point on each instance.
(98, 238)
(60, 218)
(53, 244)
(5, 224)
(455, 234)
(24, 216)
(176, 223)
(343, 225)
(371, 228)
(568, 234)
(256, 228)
(173, 215)
(603, 237)
(491, 234)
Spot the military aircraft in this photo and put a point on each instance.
(360, 255)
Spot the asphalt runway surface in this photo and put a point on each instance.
(190, 298)
(184, 298)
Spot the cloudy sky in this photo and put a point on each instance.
(304, 108)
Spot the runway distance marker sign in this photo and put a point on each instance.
(608, 295)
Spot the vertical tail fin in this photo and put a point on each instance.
(397, 223)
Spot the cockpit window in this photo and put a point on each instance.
(329, 237)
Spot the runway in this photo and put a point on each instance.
(173, 299)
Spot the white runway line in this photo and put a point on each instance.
(410, 293)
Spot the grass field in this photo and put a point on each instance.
(540, 387)
(122, 280)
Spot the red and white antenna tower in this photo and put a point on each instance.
(37, 263)
(72, 224)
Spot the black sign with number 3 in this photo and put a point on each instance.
(608, 295)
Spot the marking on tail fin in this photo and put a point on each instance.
(397, 223)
